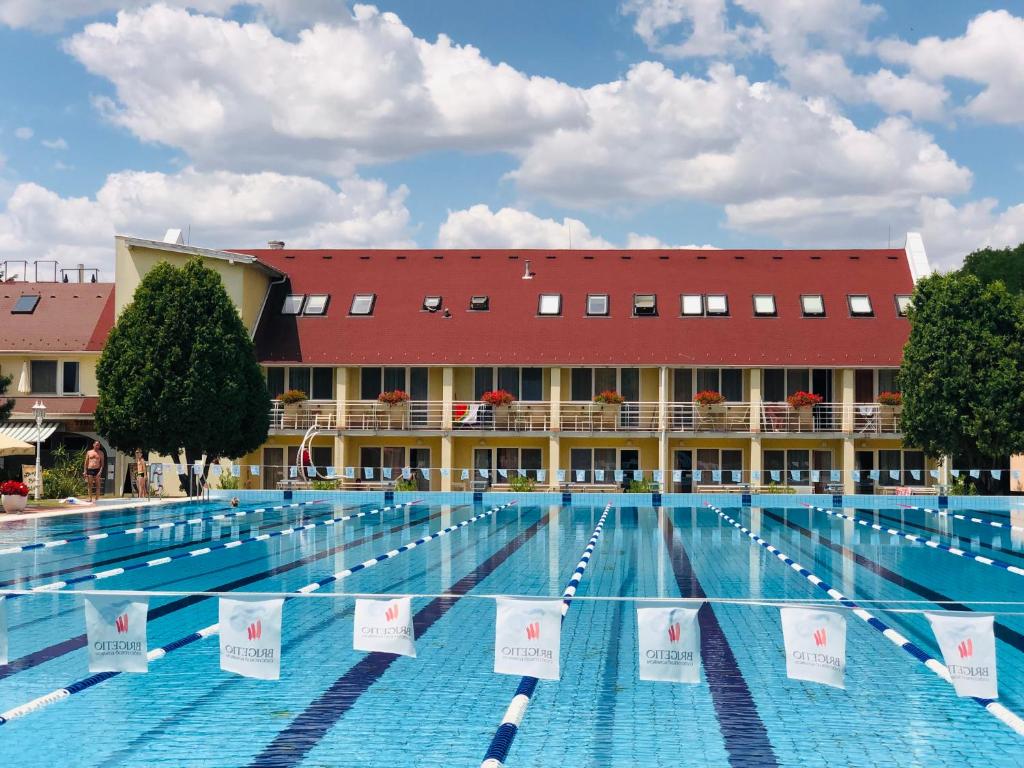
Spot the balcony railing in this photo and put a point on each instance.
(725, 417)
(875, 419)
(377, 416)
(602, 417)
(780, 417)
(520, 416)
(301, 416)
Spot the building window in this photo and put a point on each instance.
(323, 384)
(431, 303)
(597, 304)
(813, 305)
(275, 382)
(587, 460)
(902, 305)
(293, 304)
(70, 382)
(716, 304)
(298, 378)
(362, 304)
(764, 305)
(727, 381)
(479, 303)
(692, 305)
(316, 304)
(25, 305)
(645, 305)
(317, 383)
(44, 377)
(860, 305)
(550, 304)
(521, 383)
(587, 382)
(513, 459)
(887, 380)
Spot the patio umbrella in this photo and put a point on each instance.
(11, 447)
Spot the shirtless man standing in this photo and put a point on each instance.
(95, 462)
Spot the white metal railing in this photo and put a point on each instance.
(875, 419)
(579, 416)
(781, 417)
(724, 417)
(302, 416)
(410, 415)
(520, 416)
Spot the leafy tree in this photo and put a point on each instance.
(6, 405)
(963, 369)
(991, 264)
(179, 372)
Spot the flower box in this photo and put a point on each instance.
(14, 496)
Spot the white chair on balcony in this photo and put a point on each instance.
(470, 417)
(868, 418)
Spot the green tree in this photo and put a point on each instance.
(6, 404)
(991, 264)
(963, 369)
(179, 372)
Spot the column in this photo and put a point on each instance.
(756, 461)
(664, 462)
(848, 462)
(447, 396)
(554, 458)
(340, 453)
(663, 399)
(848, 400)
(340, 396)
(447, 452)
(755, 399)
(555, 395)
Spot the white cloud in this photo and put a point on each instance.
(24, 133)
(950, 233)
(705, 30)
(58, 143)
(480, 227)
(359, 91)
(222, 209)
(990, 53)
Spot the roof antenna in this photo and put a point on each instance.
(527, 273)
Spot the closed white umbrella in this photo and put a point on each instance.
(24, 385)
(11, 447)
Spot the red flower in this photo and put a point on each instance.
(709, 397)
(890, 398)
(803, 400)
(394, 397)
(13, 488)
(498, 397)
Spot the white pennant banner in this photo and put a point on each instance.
(669, 644)
(527, 637)
(116, 630)
(968, 646)
(3, 631)
(815, 641)
(385, 626)
(250, 637)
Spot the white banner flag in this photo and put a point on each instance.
(384, 625)
(116, 629)
(3, 631)
(815, 641)
(669, 644)
(250, 637)
(968, 646)
(528, 637)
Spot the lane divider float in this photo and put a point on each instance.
(943, 513)
(506, 732)
(992, 706)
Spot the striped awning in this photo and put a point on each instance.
(26, 430)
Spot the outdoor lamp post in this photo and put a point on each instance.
(40, 412)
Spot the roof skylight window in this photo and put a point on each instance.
(479, 303)
(25, 305)
(293, 304)
(764, 305)
(860, 305)
(597, 304)
(902, 305)
(692, 304)
(316, 304)
(550, 304)
(431, 303)
(645, 305)
(813, 305)
(362, 304)
(716, 304)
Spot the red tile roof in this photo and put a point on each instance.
(511, 332)
(70, 317)
(56, 406)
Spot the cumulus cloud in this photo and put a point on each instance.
(222, 209)
(698, 27)
(24, 133)
(58, 143)
(951, 232)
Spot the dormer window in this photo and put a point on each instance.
(550, 304)
(902, 304)
(431, 303)
(362, 304)
(692, 305)
(316, 304)
(645, 305)
(597, 304)
(860, 305)
(764, 305)
(716, 304)
(293, 304)
(812, 305)
(479, 303)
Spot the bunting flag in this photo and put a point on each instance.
(482, 473)
(580, 475)
(445, 472)
(873, 474)
(894, 474)
(406, 473)
(116, 632)
(934, 473)
(197, 468)
(968, 646)
(254, 470)
(181, 469)
(336, 471)
(250, 637)
(638, 475)
(815, 475)
(350, 473)
(293, 472)
(368, 473)
(521, 472)
(384, 626)
(677, 475)
(236, 470)
(385, 472)
(834, 476)
(465, 474)
(542, 475)
(794, 474)
(503, 474)
(737, 476)
(915, 474)
(3, 630)
(776, 475)
(599, 475)
(755, 475)
(425, 471)
(215, 470)
(697, 475)
(657, 475)
(669, 644)
(716, 475)
(527, 638)
(619, 475)
(815, 641)
(560, 476)
(856, 475)
(997, 474)
(1016, 474)
(975, 473)
(955, 472)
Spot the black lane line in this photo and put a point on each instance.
(743, 731)
(1003, 632)
(43, 655)
(293, 743)
(959, 540)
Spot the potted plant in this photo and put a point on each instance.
(292, 401)
(610, 402)
(803, 403)
(890, 407)
(397, 403)
(710, 408)
(500, 401)
(14, 496)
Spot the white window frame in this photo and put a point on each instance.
(812, 297)
(429, 304)
(486, 303)
(361, 298)
(764, 305)
(691, 305)
(316, 304)
(709, 298)
(289, 301)
(637, 297)
(549, 305)
(602, 297)
(853, 299)
(902, 303)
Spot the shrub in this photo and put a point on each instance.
(639, 486)
(890, 398)
(709, 397)
(293, 396)
(394, 397)
(65, 477)
(13, 488)
(958, 486)
(803, 400)
(498, 397)
(401, 484)
(775, 488)
(521, 484)
(325, 485)
(609, 397)
(229, 482)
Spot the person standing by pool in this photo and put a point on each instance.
(140, 472)
(95, 461)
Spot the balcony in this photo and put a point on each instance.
(725, 417)
(875, 419)
(823, 417)
(376, 416)
(302, 416)
(579, 416)
(520, 416)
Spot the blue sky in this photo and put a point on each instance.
(641, 123)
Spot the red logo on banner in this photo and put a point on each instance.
(533, 631)
(121, 622)
(255, 630)
(674, 633)
(966, 648)
(819, 637)
(391, 613)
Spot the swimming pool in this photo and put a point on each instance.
(337, 707)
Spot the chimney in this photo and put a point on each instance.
(527, 274)
(81, 273)
(275, 245)
(173, 236)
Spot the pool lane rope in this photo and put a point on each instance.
(992, 706)
(54, 543)
(503, 737)
(199, 552)
(162, 651)
(964, 553)
(943, 513)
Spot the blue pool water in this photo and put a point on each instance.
(337, 707)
